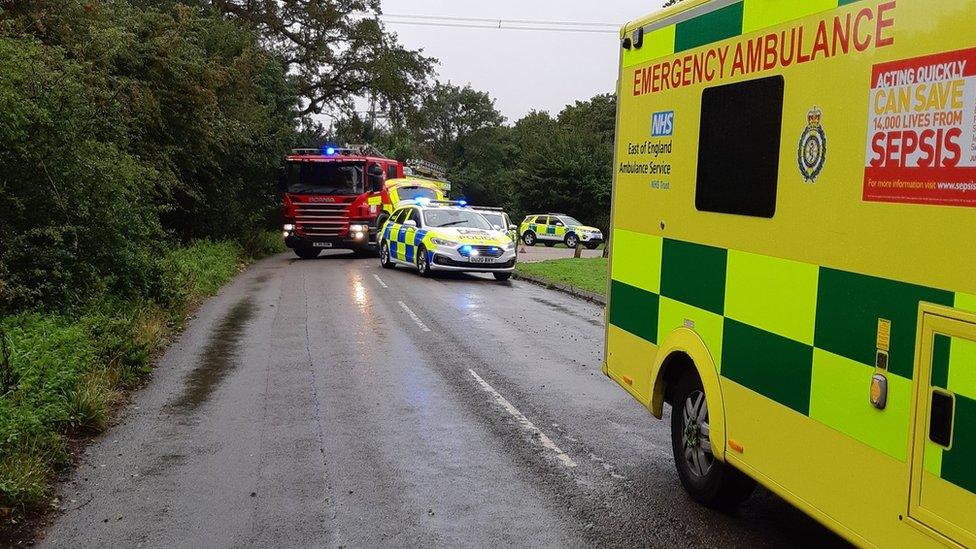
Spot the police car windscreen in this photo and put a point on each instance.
(458, 219)
(495, 219)
(413, 193)
(325, 178)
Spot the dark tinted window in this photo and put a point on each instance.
(414, 216)
(542, 220)
(738, 147)
(391, 171)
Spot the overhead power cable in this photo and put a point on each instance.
(499, 26)
(536, 22)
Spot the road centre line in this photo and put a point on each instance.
(414, 316)
(380, 280)
(524, 421)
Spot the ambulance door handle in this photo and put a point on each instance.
(940, 418)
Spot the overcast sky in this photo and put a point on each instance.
(522, 70)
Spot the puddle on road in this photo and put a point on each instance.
(567, 310)
(217, 358)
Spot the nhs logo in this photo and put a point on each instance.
(662, 124)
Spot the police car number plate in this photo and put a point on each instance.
(321, 244)
(482, 260)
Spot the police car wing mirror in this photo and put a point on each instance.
(512, 228)
(410, 223)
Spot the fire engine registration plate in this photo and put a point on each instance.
(482, 260)
(321, 244)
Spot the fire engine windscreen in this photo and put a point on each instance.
(326, 178)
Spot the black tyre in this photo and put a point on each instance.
(571, 240)
(592, 245)
(528, 237)
(549, 243)
(707, 480)
(423, 262)
(385, 261)
(307, 253)
(502, 277)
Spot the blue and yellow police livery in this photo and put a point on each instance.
(445, 236)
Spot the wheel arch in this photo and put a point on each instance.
(680, 352)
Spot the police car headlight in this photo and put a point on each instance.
(444, 242)
(509, 245)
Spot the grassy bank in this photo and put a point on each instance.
(61, 373)
(585, 274)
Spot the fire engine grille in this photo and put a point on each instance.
(322, 218)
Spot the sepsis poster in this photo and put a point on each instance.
(922, 131)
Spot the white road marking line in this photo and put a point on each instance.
(414, 316)
(524, 421)
(380, 280)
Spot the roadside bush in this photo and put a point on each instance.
(67, 371)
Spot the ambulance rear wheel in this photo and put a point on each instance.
(529, 238)
(423, 262)
(385, 260)
(707, 480)
(308, 253)
(571, 240)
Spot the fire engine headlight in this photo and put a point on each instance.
(358, 228)
(444, 242)
(288, 227)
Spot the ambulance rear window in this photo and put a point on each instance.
(738, 147)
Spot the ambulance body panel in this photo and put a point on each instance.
(793, 211)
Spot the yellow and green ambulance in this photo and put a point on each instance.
(792, 264)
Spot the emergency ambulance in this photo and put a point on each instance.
(445, 236)
(792, 264)
(551, 229)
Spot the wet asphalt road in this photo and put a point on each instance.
(332, 403)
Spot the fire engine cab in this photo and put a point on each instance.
(333, 198)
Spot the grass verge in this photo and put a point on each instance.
(586, 274)
(62, 373)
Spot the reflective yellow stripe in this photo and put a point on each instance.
(761, 14)
(776, 295)
(657, 44)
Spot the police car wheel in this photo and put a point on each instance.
(571, 240)
(385, 260)
(502, 277)
(423, 264)
(707, 480)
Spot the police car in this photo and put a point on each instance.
(499, 220)
(445, 236)
(551, 229)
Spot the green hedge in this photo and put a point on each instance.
(61, 373)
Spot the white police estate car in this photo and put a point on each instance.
(445, 236)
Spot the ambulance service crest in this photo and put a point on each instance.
(812, 151)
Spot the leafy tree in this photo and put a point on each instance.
(337, 50)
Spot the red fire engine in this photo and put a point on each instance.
(334, 198)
